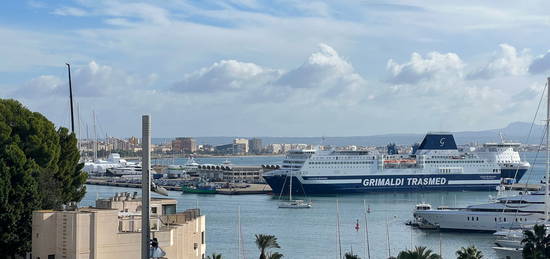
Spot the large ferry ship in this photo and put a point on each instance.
(437, 164)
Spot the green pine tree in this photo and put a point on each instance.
(39, 169)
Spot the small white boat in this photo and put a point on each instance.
(294, 204)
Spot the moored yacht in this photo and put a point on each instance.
(505, 212)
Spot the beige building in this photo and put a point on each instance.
(112, 230)
(242, 141)
(184, 145)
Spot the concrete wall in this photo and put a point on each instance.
(103, 234)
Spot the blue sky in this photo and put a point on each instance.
(278, 68)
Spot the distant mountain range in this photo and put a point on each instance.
(514, 132)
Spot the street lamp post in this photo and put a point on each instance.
(145, 185)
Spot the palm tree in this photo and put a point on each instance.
(215, 256)
(419, 252)
(470, 252)
(536, 243)
(350, 255)
(265, 242)
(275, 255)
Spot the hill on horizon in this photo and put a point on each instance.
(514, 132)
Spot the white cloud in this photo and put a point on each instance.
(226, 75)
(262, 76)
(70, 11)
(324, 77)
(147, 12)
(322, 68)
(40, 87)
(36, 4)
(418, 68)
(506, 62)
(91, 80)
(540, 64)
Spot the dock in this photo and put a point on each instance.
(127, 185)
(251, 189)
(523, 187)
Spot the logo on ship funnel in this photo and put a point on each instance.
(442, 142)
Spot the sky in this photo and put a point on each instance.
(277, 68)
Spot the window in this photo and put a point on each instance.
(51, 256)
(154, 210)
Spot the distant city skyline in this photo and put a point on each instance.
(288, 68)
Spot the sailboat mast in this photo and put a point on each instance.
(79, 135)
(366, 230)
(339, 244)
(87, 140)
(95, 138)
(547, 152)
(290, 190)
(71, 96)
(239, 232)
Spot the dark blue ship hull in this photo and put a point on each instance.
(391, 183)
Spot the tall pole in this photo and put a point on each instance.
(338, 230)
(71, 96)
(145, 185)
(547, 174)
(239, 233)
(366, 229)
(388, 237)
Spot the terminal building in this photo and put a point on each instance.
(233, 173)
(111, 229)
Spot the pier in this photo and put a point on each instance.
(251, 189)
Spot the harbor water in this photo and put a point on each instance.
(312, 233)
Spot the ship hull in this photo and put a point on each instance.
(388, 183)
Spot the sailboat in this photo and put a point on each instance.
(509, 241)
(294, 204)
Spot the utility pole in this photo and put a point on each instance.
(71, 96)
(145, 186)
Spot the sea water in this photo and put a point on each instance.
(312, 233)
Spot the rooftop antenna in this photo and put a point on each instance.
(501, 137)
(71, 96)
